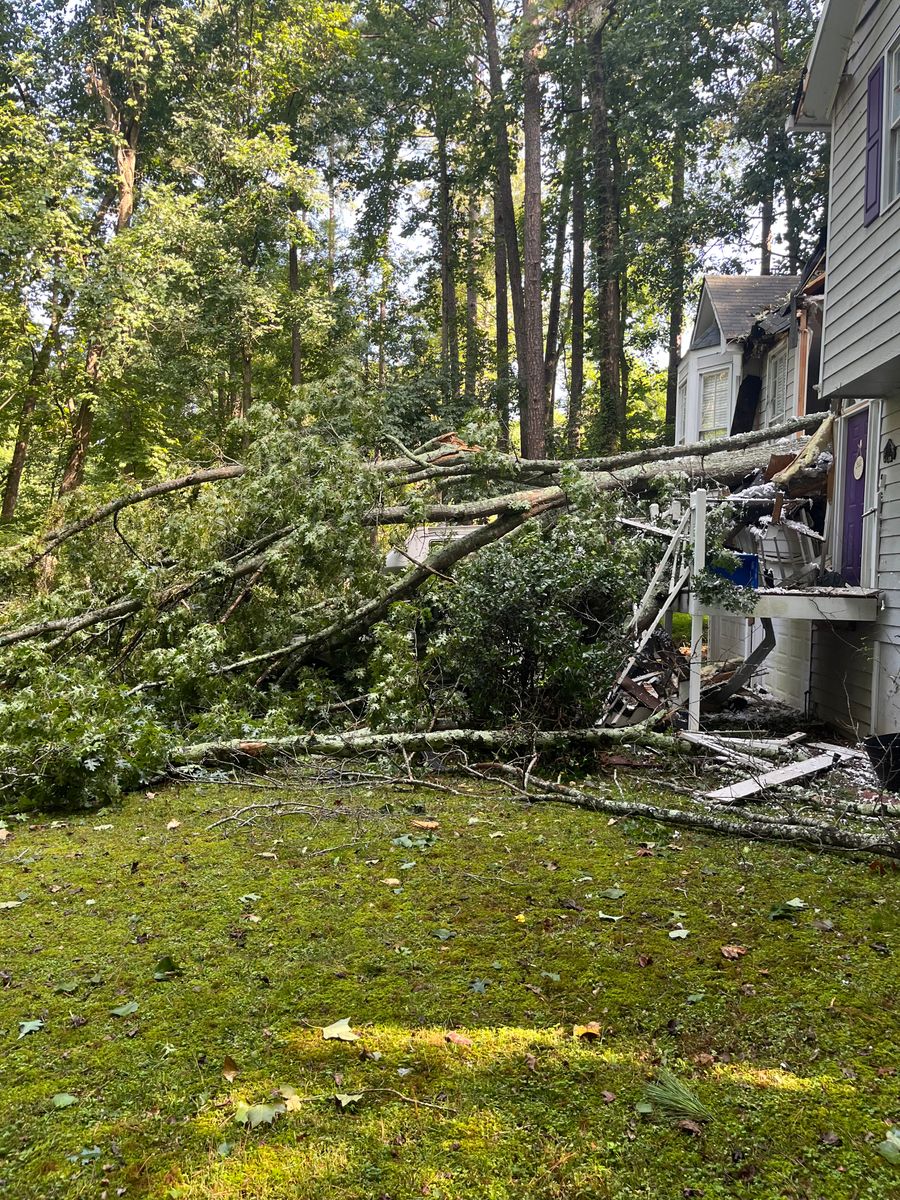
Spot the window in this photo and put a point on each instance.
(893, 124)
(874, 126)
(776, 399)
(715, 404)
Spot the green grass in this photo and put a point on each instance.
(795, 1040)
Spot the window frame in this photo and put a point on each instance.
(778, 356)
(890, 160)
(708, 435)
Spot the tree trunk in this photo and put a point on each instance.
(501, 329)
(449, 331)
(607, 250)
(294, 286)
(767, 223)
(73, 472)
(677, 270)
(36, 377)
(471, 378)
(505, 198)
(554, 310)
(533, 405)
(576, 382)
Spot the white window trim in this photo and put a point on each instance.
(887, 201)
(772, 363)
(720, 369)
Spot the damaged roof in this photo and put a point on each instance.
(739, 300)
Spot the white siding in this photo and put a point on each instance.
(862, 314)
(785, 672)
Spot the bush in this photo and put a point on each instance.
(534, 628)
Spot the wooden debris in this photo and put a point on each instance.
(789, 774)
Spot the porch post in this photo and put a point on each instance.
(698, 504)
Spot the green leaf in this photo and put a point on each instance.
(890, 1148)
(696, 997)
(345, 1099)
(444, 934)
(678, 933)
(551, 975)
(612, 893)
(249, 898)
(125, 1010)
(257, 1114)
(66, 989)
(166, 969)
(26, 1027)
(64, 1100)
(224, 1149)
(788, 909)
(602, 916)
(644, 1107)
(10, 903)
(480, 985)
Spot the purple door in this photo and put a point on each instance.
(856, 466)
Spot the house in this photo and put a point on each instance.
(753, 362)
(851, 90)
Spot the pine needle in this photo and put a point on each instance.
(675, 1098)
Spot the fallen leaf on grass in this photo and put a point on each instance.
(644, 960)
(340, 1031)
(788, 909)
(426, 824)
(345, 1099)
(531, 1062)
(124, 1010)
(10, 903)
(391, 882)
(4, 833)
(678, 933)
(292, 1101)
(612, 893)
(480, 986)
(458, 1039)
(444, 935)
(587, 1032)
(733, 952)
(64, 1100)
(687, 1126)
(166, 969)
(602, 916)
(66, 989)
(229, 1068)
(608, 1097)
(257, 1114)
(830, 1139)
(173, 824)
(26, 1027)
(890, 1147)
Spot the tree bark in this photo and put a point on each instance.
(505, 198)
(576, 381)
(449, 330)
(554, 309)
(471, 372)
(677, 271)
(501, 328)
(607, 248)
(294, 287)
(39, 368)
(533, 404)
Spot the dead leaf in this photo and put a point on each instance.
(644, 960)
(587, 1032)
(292, 1101)
(391, 882)
(229, 1068)
(173, 824)
(458, 1039)
(4, 834)
(531, 1062)
(608, 1097)
(830, 1139)
(733, 952)
(691, 1127)
(340, 1031)
(426, 824)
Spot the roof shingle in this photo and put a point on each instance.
(739, 299)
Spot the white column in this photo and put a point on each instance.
(698, 505)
